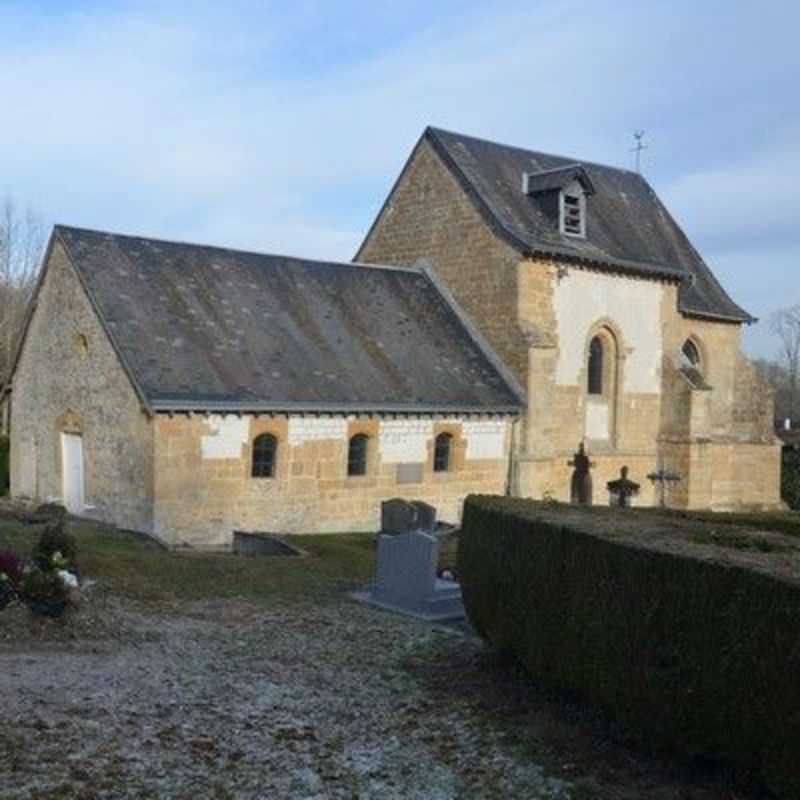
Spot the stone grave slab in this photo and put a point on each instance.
(406, 582)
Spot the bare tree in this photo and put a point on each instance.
(785, 323)
(22, 240)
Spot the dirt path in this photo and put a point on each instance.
(333, 700)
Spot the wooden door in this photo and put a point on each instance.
(72, 471)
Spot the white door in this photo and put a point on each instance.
(72, 471)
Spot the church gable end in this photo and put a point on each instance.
(68, 381)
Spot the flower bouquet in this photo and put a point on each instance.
(10, 577)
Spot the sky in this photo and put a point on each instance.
(280, 127)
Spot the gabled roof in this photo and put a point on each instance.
(208, 328)
(628, 229)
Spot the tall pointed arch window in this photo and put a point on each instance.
(690, 355)
(595, 366)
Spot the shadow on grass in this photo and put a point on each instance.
(140, 569)
(574, 740)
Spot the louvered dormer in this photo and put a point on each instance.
(562, 194)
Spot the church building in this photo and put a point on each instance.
(189, 392)
(506, 308)
(593, 296)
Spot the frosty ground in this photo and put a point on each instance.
(187, 676)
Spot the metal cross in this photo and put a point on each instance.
(638, 135)
(663, 476)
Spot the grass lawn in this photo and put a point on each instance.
(135, 568)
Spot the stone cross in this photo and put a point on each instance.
(581, 483)
(622, 489)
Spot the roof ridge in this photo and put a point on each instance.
(238, 251)
(434, 130)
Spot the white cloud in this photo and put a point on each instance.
(745, 201)
(282, 131)
(146, 121)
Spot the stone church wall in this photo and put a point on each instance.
(204, 489)
(429, 218)
(69, 380)
(539, 316)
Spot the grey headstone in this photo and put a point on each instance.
(397, 516)
(406, 574)
(409, 473)
(426, 516)
(405, 577)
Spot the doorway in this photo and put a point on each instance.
(72, 472)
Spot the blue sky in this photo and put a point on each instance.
(281, 126)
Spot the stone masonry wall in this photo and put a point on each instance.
(429, 217)
(204, 489)
(69, 380)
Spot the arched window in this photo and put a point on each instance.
(441, 452)
(357, 454)
(265, 447)
(595, 366)
(690, 355)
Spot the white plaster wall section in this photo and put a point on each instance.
(597, 421)
(581, 298)
(226, 437)
(314, 429)
(485, 439)
(404, 441)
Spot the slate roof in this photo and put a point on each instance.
(628, 229)
(215, 329)
(558, 178)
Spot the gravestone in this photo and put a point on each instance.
(405, 577)
(246, 543)
(426, 516)
(397, 516)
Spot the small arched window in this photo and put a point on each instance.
(357, 454)
(690, 355)
(595, 366)
(442, 452)
(265, 448)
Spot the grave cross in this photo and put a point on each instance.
(581, 483)
(622, 489)
(663, 476)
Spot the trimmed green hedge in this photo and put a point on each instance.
(690, 646)
(4, 455)
(790, 478)
(786, 522)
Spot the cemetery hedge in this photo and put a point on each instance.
(694, 648)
